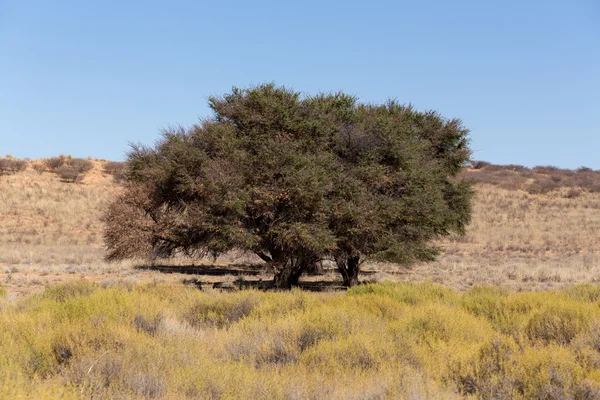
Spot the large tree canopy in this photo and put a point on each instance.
(296, 179)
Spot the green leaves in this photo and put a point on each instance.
(303, 178)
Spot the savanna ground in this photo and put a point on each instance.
(511, 310)
(51, 232)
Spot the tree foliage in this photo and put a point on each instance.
(296, 179)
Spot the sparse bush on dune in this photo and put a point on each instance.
(68, 168)
(39, 167)
(550, 170)
(537, 180)
(54, 163)
(73, 169)
(479, 164)
(81, 165)
(12, 165)
(68, 174)
(380, 341)
(543, 186)
(116, 169)
(112, 167)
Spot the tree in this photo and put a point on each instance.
(397, 191)
(295, 179)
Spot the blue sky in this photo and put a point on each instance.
(86, 78)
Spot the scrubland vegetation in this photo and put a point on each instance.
(510, 310)
(383, 340)
(51, 231)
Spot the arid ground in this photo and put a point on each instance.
(520, 237)
(478, 323)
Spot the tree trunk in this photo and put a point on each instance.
(349, 268)
(287, 270)
(286, 275)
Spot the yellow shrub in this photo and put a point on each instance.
(584, 293)
(506, 311)
(437, 336)
(222, 311)
(377, 341)
(354, 352)
(489, 374)
(410, 293)
(543, 372)
(558, 322)
(65, 291)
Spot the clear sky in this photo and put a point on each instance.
(88, 77)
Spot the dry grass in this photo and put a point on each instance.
(46, 221)
(51, 231)
(403, 341)
(49, 228)
(106, 334)
(523, 241)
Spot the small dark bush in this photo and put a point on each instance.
(116, 169)
(506, 179)
(542, 186)
(515, 182)
(494, 168)
(54, 163)
(62, 353)
(19, 165)
(73, 169)
(517, 168)
(509, 167)
(481, 176)
(68, 174)
(479, 164)
(80, 165)
(546, 169)
(113, 167)
(594, 187)
(589, 180)
(11, 166)
(4, 166)
(573, 193)
(149, 326)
